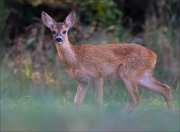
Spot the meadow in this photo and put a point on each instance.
(29, 104)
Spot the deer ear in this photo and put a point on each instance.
(47, 20)
(70, 19)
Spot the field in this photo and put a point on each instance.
(29, 105)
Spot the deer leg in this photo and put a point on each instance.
(81, 91)
(98, 90)
(155, 85)
(133, 94)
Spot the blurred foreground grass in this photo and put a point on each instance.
(31, 115)
(30, 106)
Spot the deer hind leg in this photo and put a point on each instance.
(81, 91)
(150, 82)
(133, 93)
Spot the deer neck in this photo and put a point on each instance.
(67, 54)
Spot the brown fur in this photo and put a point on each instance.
(92, 63)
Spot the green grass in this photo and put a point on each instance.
(27, 105)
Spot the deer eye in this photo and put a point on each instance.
(53, 31)
(64, 32)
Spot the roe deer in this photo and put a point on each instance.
(91, 63)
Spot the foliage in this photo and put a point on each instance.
(103, 11)
(168, 12)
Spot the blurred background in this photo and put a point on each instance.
(34, 81)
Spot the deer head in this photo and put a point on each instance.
(59, 29)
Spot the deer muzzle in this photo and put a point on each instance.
(59, 39)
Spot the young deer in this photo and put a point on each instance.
(91, 63)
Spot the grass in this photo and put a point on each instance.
(28, 115)
(27, 105)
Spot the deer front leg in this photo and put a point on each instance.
(81, 91)
(133, 94)
(98, 90)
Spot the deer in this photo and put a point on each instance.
(89, 63)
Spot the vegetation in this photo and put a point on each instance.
(36, 91)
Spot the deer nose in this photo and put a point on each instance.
(59, 39)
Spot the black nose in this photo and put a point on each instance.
(59, 39)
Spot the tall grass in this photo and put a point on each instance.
(27, 105)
